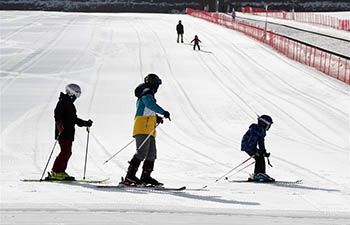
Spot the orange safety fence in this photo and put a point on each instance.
(305, 17)
(331, 64)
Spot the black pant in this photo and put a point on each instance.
(259, 162)
(182, 37)
(194, 47)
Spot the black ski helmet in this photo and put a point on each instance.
(73, 90)
(153, 81)
(265, 121)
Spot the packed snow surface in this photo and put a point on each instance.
(213, 96)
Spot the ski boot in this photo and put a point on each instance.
(260, 177)
(59, 176)
(130, 178)
(146, 178)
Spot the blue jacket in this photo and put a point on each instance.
(254, 137)
(146, 111)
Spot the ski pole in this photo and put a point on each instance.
(131, 142)
(53, 148)
(119, 151)
(233, 169)
(226, 178)
(87, 147)
(268, 161)
(149, 135)
(230, 171)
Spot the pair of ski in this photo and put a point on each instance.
(120, 186)
(267, 182)
(68, 181)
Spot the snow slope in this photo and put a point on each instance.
(213, 96)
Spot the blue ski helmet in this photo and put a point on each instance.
(265, 121)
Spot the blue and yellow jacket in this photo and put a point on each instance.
(254, 137)
(146, 108)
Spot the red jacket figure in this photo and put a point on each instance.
(196, 42)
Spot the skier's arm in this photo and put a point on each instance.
(79, 122)
(58, 114)
(149, 102)
(83, 123)
(261, 143)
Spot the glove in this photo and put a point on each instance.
(257, 154)
(166, 115)
(60, 127)
(159, 119)
(266, 154)
(88, 123)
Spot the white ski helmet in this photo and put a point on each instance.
(73, 90)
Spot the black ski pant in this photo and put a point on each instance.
(260, 165)
(194, 47)
(179, 35)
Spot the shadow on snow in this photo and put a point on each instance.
(182, 194)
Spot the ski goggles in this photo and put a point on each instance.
(268, 124)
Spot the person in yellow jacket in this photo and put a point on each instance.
(145, 122)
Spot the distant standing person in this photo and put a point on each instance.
(180, 32)
(65, 120)
(233, 13)
(196, 42)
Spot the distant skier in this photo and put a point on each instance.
(196, 42)
(253, 143)
(65, 120)
(233, 13)
(180, 31)
(146, 120)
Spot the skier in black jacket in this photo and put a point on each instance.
(180, 32)
(65, 120)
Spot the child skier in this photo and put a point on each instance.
(253, 143)
(65, 119)
(196, 42)
(145, 122)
